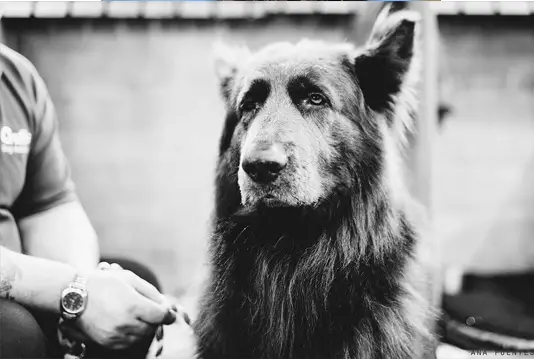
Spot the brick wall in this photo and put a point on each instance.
(140, 119)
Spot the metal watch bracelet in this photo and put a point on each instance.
(73, 349)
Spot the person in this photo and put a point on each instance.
(48, 249)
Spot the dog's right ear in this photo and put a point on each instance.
(384, 19)
(228, 61)
(383, 67)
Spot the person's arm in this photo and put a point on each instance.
(62, 233)
(122, 309)
(51, 221)
(33, 282)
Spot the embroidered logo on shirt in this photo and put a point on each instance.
(15, 142)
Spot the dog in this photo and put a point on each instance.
(315, 245)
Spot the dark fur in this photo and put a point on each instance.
(331, 280)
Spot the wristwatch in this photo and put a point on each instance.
(74, 298)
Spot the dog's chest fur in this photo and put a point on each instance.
(289, 298)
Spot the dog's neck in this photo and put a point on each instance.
(318, 273)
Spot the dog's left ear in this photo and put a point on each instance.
(228, 60)
(383, 67)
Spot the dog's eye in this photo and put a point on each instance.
(316, 99)
(248, 106)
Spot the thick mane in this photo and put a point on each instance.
(321, 279)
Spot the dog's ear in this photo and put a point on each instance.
(228, 60)
(382, 68)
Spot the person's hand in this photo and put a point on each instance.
(121, 309)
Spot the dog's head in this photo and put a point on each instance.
(310, 118)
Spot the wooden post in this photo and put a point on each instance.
(422, 148)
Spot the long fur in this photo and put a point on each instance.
(294, 283)
(338, 279)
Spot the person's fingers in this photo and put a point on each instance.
(142, 329)
(125, 343)
(73, 333)
(103, 265)
(151, 312)
(115, 266)
(144, 288)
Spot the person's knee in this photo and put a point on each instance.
(22, 336)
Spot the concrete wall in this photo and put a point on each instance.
(140, 121)
(141, 115)
(484, 186)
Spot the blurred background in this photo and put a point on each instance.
(140, 117)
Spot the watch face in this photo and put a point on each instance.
(73, 302)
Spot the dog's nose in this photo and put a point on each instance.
(265, 165)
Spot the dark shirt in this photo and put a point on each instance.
(34, 173)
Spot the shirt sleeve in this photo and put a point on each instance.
(48, 181)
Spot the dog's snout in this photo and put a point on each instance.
(265, 165)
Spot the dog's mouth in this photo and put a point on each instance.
(273, 198)
(275, 222)
(289, 190)
(275, 194)
(270, 200)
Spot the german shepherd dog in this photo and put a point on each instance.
(314, 252)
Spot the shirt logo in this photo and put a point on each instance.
(15, 142)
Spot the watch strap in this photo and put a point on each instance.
(68, 316)
(80, 282)
(72, 349)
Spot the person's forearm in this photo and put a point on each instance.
(33, 282)
(63, 234)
